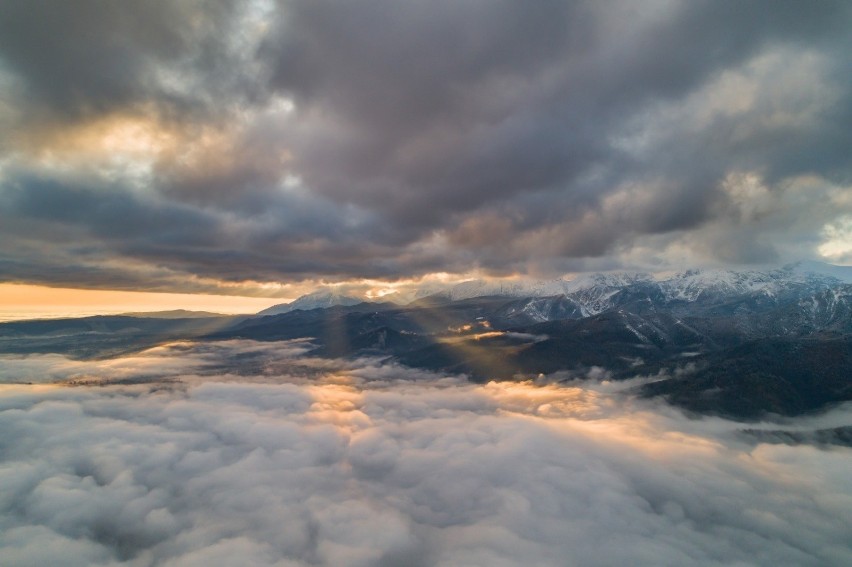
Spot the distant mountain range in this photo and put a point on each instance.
(595, 293)
(173, 314)
(735, 343)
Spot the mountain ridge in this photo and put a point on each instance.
(696, 335)
(591, 291)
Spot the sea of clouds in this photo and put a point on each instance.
(243, 453)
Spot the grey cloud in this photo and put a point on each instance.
(91, 57)
(90, 220)
(560, 76)
(106, 212)
(420, 137)
(355, 463)
(543, 119)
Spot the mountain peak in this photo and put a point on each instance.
(322, 298)
(609, 279)
(813, 267)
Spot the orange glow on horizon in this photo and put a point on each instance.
(23, 301)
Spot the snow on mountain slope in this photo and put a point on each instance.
(830, 308)
(810, 268)
(514, 288)
(540, 309)
(793, 279)
(610, 281)
(595, 293)
(316, 300)
(692, 285)
(592, 294)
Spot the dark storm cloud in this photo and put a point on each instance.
(91, 220)
(458, 105)
(308, 139)
(94, 56)
(106, 211)
(359, 463)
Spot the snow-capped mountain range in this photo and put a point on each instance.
(594, 293)
(687, 285)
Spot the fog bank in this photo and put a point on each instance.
(253, 454)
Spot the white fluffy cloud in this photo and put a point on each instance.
(363, 464)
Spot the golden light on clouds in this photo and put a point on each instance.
(838, 239)
(25, 301)
(136, 137)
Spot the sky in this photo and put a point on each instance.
(22, 301)
(257, 454)
(261, 148)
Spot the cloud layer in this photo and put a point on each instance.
(198, 145)
(298, 461)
